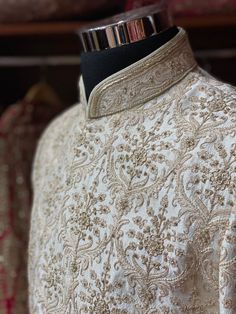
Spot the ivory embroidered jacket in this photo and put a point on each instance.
(134, 195)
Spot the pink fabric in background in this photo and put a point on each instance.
(203, 7)
(12, 11)
(20, 127)
(191, 7)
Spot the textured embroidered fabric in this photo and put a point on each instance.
(134, 195)
(20, 128)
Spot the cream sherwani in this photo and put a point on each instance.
(135, 195)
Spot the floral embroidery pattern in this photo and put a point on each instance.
(135, 212)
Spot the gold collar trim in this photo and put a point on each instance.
(143, 80)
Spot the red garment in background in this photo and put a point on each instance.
(190, 7)
(203, 7)
(133, 4)
(20, 128)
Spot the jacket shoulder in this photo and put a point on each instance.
(206, 125)
(52, 139)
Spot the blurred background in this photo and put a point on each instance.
(39, 70)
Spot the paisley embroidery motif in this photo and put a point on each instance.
(146, 79)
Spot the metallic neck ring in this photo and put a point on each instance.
(125, 28)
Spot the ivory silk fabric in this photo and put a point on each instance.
(134, 204)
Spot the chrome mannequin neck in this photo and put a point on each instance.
(126, 28)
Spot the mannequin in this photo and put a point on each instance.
(114, 57)
(134, 189)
